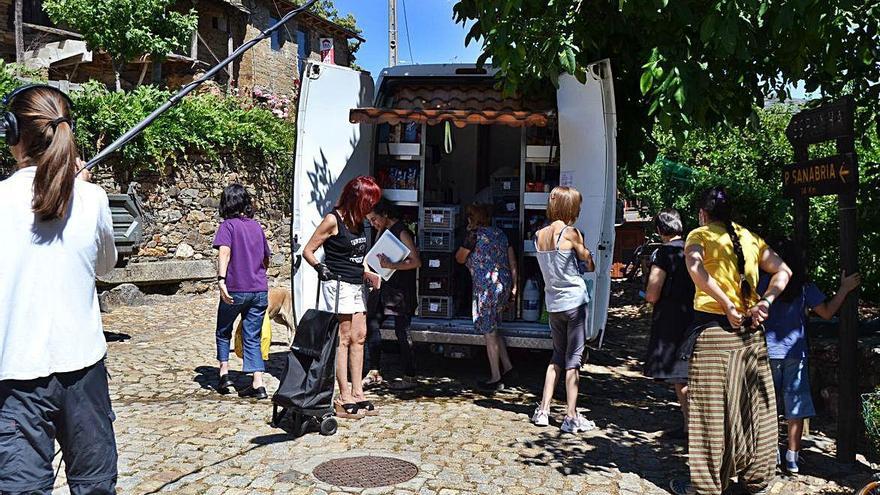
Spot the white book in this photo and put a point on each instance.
(391, 247)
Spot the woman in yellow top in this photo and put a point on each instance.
(732, 420)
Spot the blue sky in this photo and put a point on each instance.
(434, 36)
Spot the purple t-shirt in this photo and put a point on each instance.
(245, 237)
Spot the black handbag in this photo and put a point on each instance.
(315, 328)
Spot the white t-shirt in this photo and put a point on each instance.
(50, 321)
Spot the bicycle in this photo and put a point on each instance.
(871, 415)
(638, 264)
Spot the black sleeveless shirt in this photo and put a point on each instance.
(399, 292)
(344, 252)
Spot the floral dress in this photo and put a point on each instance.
(491, 276)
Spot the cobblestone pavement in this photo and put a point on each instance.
(176, 435)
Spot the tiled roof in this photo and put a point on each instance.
(459, 104)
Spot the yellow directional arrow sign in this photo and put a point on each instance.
(830, 175)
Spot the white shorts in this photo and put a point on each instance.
(352, 297)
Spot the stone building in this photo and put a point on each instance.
(223, 25)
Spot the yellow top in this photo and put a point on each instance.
(720, 262)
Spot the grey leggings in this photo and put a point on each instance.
(569, 332)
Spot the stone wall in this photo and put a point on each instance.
(181, 209)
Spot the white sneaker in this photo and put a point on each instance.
(577, 424)
(540, 418)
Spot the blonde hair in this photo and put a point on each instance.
(479, 215)
(564, 204)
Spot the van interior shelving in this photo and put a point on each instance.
(510, 169)
(441, 137)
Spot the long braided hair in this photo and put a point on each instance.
(716, 203)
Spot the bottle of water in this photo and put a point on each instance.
(531, 308)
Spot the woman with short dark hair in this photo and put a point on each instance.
(396, 298)
(241, 275)
(671, 291)
(492, 263)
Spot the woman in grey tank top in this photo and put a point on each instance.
(560, 250)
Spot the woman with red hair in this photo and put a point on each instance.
(344, 280)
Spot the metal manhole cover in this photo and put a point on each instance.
(365, 471)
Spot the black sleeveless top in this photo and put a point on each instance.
(399, 292)
(344, 253)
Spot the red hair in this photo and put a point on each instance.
(358, 198)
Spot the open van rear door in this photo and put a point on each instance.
(330, 151)
(588, 161)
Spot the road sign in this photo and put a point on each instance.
(835, 174)
(821, 124)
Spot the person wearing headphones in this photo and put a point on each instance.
(58, 236)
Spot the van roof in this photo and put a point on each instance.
(438, 70)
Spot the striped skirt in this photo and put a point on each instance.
(732, 424)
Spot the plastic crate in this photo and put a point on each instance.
(437, 240)
(436, 307)
(440, 217)
(437, 264)
(506, 223)
(436, 286)
(506, 207)
(505, 186)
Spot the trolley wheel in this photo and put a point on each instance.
(872, 488)
(328, 426)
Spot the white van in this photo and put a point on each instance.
(506, 151)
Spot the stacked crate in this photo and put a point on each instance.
(437, 243)
(506, 198)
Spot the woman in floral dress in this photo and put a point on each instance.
(492, 263)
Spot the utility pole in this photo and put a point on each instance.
(392, 33)
(19, 35)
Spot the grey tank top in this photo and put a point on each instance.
(564, 288)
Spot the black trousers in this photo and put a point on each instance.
(73, 408)
(373, 350)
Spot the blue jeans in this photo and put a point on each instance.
(251, 306)
(791, 378)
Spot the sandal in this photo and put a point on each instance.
(348, 410)
(372, 380)
(368, 407)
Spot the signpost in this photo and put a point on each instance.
(836, 174)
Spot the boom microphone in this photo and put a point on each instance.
(143, 124)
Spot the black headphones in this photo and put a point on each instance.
(10, 121)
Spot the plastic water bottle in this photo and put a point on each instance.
(531, 301)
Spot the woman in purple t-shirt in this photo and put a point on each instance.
(241, 273)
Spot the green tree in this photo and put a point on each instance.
(685, 63)
(749, 162)
(125, 29)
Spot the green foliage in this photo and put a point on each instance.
(125, 28)
(749, 161)
(871, 415)
(212, 126)
(684, 63)
(205, 123)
